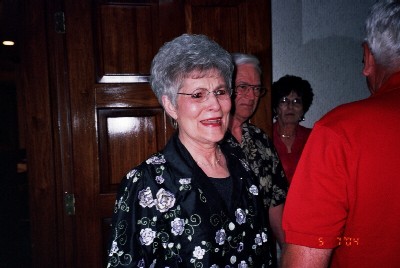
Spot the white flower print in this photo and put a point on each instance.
(134, 175)
(141, 264)
(146, 198)
(156, 159)
(240, 247)
(220, 237)
(165, 200)
(253, 190)
(240, 216)
(214, 266)
(198, 252)
(121, 202)
(153, 264)
(185, 181)
(242, 264)
(159, 179)
(131, 173)
(264, 237)
(245, 164)
(177, 226)
(147, 236)
(114, 248)
(258, 240)
(232, 259)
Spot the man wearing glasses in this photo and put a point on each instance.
(256, 145)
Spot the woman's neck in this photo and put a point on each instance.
(208, 157)
(287, 133)
(287, 130)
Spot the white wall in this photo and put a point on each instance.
(320, 41)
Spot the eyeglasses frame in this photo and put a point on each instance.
(229, 94)
(262, 90)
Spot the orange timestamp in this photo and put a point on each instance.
(342, 240)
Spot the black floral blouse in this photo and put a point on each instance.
(264, 162)
(168, 214)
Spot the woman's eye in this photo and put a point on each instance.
(197, 95)
(220, 92)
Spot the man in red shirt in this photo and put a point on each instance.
(343, 207)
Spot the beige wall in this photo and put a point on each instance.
(320, 40)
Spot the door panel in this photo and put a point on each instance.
(125, 43)
(221, 23)
(126, 138)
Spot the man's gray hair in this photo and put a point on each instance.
(383, 33)
(241, 58)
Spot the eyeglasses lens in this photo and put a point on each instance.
(244, 89)
(202, 94)
(295, 102)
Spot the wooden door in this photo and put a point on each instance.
(100, 115)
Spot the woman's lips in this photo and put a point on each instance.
(212, 121)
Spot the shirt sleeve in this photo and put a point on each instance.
(279, 186)
(271, 174)
(133, 228)
(316, 206)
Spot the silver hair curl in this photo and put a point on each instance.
(183, 57)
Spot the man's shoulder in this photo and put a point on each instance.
(344, 112)
(251, 128)
(254, 131)
(254, 136)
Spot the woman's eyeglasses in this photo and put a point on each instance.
(243, 89)
(202, 94)
(286, 101)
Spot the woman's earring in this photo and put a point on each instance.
(174, 123)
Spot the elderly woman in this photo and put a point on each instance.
(291, 98)
(194, 204)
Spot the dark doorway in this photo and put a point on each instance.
(14, 220)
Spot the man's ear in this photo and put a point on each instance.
(169, 107)
(369, 61)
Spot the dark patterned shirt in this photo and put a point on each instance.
(264, 162)
(169, 214)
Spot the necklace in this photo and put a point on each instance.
(286, 136)
(217, 156)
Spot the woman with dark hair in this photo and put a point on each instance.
(291, 98)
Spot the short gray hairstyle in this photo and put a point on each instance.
(383, 33)
(241, 58)
(183, 56)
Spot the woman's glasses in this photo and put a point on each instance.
(286, 101)
(202, 94)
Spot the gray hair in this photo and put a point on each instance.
(184, 56)
(241, 58)
(383, 33)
